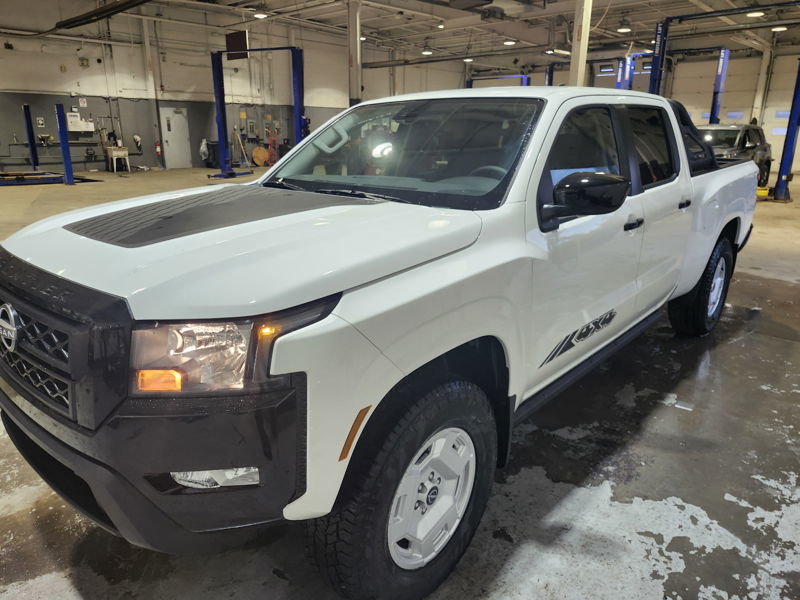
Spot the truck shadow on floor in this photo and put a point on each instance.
(581, 438)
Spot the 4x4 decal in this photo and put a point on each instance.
(579, 335)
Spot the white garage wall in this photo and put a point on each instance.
(693, 84)
(46, 65)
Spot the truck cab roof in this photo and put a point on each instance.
(555, 93)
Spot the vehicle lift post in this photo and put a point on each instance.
(36, 176)
(218, 78)
(719, 85)
(32, 151)
(63, 140)
(781, 192)
(625, 70)
(549, 73)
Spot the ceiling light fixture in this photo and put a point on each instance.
(624, 26)
(559, 51)
(426, 51)
(509, 43)
(260, 15)
(755, 14)
(440, 26)
(363, 39)
(468, 59)
(779, 28)
(549, 51)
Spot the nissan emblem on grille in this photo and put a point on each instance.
(9, 326)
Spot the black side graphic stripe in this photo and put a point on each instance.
(214, 209)
(582, 333)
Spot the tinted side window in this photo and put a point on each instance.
(584, 143)
(649, 127)
(754, 137)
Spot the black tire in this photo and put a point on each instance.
(763, 175)
(350, 545)
(689, 314)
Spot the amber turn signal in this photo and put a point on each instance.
(159, 380)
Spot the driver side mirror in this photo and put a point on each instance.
(581, 194)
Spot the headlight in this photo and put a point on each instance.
(210, 356)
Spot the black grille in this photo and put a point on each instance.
(46, 339)
(48, 385)
(71, 356)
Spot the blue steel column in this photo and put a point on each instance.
(625, 72)
(719, 85)
(787, 157)
(298, 92)
(223, 148)
(32, 150)
(659, 56)
(63, 140)
(549, 72)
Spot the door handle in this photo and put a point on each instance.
(685, 204)
(633, 224)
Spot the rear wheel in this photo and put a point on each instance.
(699, 311)
(413, 511)
(763, 174)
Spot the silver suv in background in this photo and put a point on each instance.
(741, 142)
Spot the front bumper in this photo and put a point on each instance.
(116, 475)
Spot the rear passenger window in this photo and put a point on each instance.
(584, 143)
(651, 139)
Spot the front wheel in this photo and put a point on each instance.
(699, 311)
(418, 500)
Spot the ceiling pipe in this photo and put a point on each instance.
(732, 11)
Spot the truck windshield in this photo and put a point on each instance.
(454, 153)
(720, 137)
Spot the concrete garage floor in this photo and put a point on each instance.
(671, 471)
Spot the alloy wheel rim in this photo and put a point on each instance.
(431, 498)
(717, 285)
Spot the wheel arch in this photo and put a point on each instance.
(482, 361)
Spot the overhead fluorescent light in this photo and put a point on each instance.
(756, 13)
(362, 38)
(509, 43)
(260, 15)
(779, 28)
(440, 26)
(468, 59)
(624, 26)
(549, 51)
(426, 51)
(559, 51)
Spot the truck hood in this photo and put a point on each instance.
(238, 250)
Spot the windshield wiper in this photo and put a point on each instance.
(367, 195)
(284, 185)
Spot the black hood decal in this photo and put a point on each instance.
(179, 217)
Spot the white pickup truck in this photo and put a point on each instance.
(350, 339)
